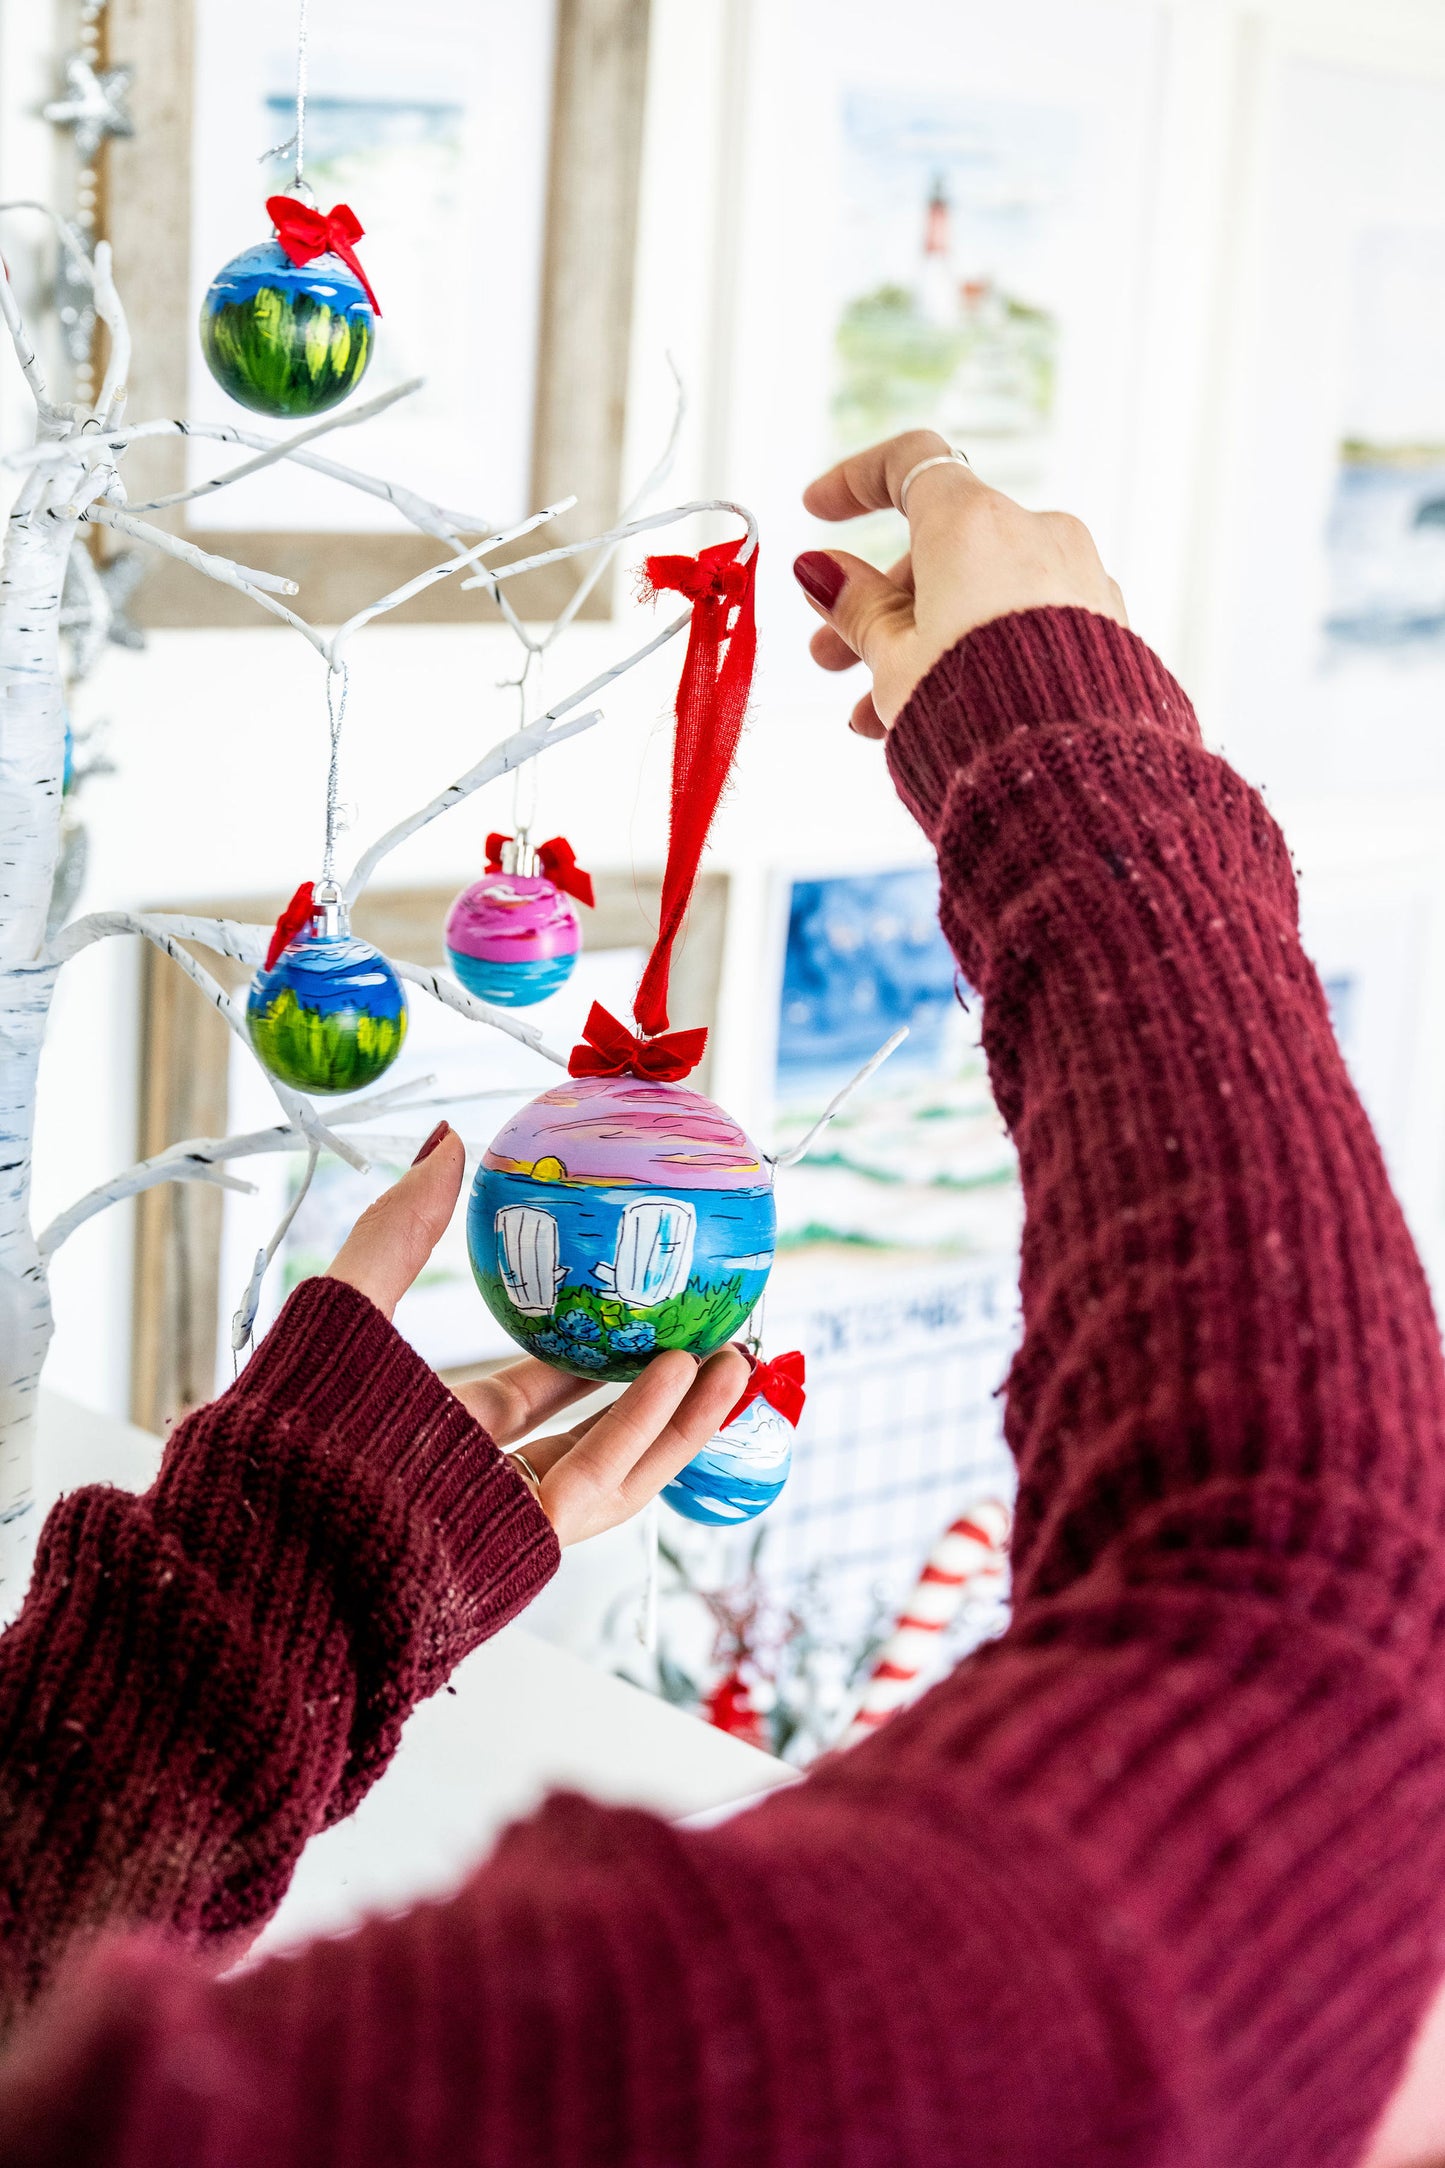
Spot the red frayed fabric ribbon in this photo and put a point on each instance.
(780, 1383)
(610, 1049)
(712, 702)
(306, 234)
(296, 917)
(558, 864)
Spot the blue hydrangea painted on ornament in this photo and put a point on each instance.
(614, 1217)
(741, 1470)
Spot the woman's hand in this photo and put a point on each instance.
(973, 555)
(608, 1467)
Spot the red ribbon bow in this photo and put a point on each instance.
(305, 233)
(296, 917)
(557, 862)
(712, 702)
(780, 1383)
(610, 1049)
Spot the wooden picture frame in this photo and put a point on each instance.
(185, 1058)
(599, 94)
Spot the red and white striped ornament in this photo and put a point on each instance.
(969, 1557)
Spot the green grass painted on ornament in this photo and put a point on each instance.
(702, 1318)
(284, 341)
(324, 1051)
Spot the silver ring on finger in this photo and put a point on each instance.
(954, 458)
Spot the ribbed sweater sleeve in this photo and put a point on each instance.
(204, 1675)
(1159, 1878)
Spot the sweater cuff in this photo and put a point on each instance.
(1032, 668)
(333, 1358)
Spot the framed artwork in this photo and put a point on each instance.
(492, 153)
(1327, 567)
(195, 1245)
(941, 228)
(897, 1240)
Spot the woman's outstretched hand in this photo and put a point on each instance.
(608, 1467)
(973, 555)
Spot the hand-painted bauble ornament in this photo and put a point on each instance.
(741, 1470)
(327, 1013)
(288, 327)
(617, 1216)
(513, 936)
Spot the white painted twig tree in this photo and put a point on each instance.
(71, 478)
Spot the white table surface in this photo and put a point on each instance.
(526, 1719)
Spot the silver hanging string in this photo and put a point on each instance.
(524, 779)
(301, 56)
(296, 141)
(336, 710)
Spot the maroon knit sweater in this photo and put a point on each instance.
(1158, 1878)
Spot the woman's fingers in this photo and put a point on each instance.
(863, 606)
(829, 649)
(865, 720)
(394, 1237)
(870, 481)
(596, 1479)
(516, 1398)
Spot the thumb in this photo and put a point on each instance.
(394, 1237)
(867, 608)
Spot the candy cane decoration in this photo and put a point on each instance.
(970, 1555)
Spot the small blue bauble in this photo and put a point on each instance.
(738, 1473)
(286, 339)
(329, 1016)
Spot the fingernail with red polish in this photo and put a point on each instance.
(431, 1143)
(820, 577)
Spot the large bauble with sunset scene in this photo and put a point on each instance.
(285, 339)
(615, 1217)
(329, 1015)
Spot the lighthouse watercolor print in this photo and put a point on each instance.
(951, 265)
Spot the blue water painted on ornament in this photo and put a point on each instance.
(67, 770)
(599, 1279)
(738, 1473)
(511, 986)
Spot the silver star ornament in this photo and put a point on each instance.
(94, 105)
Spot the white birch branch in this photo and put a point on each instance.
(648, 524)
(444, 571)
(438, 521)
(512, 752)
(110, 401)
(25, 354)
(269, 450)
(453, 996)
(198, 1159)
(157, 931)
(215, 568)
(243, 1323)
